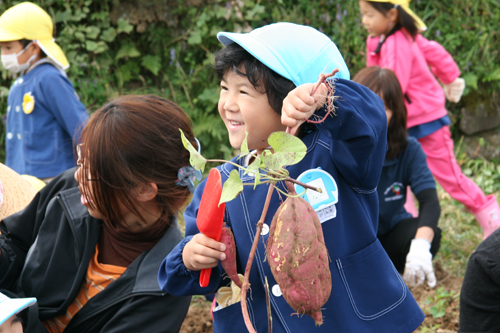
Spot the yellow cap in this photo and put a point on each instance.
(406, 7)
(28, 21)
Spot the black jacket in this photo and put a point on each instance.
(480, 292)
(45, 252)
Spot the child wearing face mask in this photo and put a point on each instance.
(44, 115)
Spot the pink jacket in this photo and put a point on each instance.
(410, 60)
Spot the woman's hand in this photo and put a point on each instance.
(418, 266)
(299, 104)
(202, 252)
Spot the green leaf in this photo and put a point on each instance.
(244, 147)
(194, 38)
(210, 95)
(470, 80)
(288, 150)
(151, 63)
(254, 169)
(4, 91)
(80, 36)
(90, 45)
(197, 161)
(63, 16)
(232, 187)
(493, 76)
(108, 35)
(78, 15)
(127, 50)
(101, 47)
(92, 32)
(255, 12)
(437, 312)
(124, 26)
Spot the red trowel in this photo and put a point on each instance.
(210, 215)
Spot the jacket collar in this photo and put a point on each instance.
(147, 264)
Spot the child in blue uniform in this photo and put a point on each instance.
(257, 71)
(44, 115)
(411, 243)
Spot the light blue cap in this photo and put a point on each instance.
(11, 306)
(297, 52)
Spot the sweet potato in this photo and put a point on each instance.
(229, 264)
(298, 257)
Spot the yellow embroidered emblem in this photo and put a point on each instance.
(28, 103)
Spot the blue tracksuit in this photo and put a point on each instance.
(408, 169)
(41, 143)
(368, 294)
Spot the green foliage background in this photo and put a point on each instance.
(166, 47)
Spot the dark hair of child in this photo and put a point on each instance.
(385, 84)
(132, 141)
(405, 20)
(265, 80)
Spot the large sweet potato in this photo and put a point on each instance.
(298, 257)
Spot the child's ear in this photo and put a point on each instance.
(393, 15)
(36, 48)
(146, 192)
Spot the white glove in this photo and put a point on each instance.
(419, 264)
(453, 91)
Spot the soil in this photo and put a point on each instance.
(198, 319)
(444, 296)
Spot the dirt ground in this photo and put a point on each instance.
(440, 304)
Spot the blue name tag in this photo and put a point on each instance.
(323, 203)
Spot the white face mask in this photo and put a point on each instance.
(9, 61)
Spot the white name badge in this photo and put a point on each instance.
(322, 203)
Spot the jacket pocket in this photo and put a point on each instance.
(372, 283)
(40, 147)
(230, 319)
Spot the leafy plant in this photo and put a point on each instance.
(166, 48)
(439, 303)
(485, 174)
(267, 167)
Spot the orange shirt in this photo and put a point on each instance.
(98, 277)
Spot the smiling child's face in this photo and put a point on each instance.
(244, 109)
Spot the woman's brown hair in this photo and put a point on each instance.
(384, 83)
(132, 141)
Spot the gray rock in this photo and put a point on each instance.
(479, 113)
(483, 118)
(486, 145)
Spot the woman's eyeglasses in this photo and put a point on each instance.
(79, 160)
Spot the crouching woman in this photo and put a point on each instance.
(89, 245)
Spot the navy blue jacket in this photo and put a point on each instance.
(408, 169)
(368, 294)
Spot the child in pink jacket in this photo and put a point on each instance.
(394, 42)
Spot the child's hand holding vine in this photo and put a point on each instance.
(301, 103)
